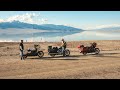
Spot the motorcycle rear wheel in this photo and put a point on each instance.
(84, 53)
(40, 54)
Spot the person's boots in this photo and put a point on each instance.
(22, 58)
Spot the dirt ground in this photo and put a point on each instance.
(106, 65)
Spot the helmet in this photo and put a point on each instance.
(62, 39)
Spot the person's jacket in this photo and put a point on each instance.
(21, 46)
(64, 44)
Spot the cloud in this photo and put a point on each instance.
(32, 18)
(1, 20)
(28, 17)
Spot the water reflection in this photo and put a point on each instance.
(69, 36)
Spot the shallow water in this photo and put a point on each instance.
(56, 36)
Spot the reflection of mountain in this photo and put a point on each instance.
(54, 34)
(37, 34)
(94, 35)
(68, 36)
(22, 25)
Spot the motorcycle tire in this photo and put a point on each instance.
(84, 53)
(67, 52)
(40, 54)
(97, 51)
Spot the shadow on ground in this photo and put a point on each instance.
(109, 55)
(72, 57)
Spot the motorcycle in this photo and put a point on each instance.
(36, 51)
(89, 49)
(52, 51)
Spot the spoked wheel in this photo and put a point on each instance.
(40, 54)
(67, 52)
(97, 51)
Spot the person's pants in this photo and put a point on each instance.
(21, 54)
(63, 49)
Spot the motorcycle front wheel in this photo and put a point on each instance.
(97, 51)
(67, 52)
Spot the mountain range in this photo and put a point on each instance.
(22, 25)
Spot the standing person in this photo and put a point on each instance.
(63, 46)
(21, 46)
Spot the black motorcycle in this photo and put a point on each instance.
(36, 51)
(52, 51)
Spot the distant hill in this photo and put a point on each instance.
(109, 28)
(22, 25)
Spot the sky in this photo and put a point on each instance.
(79, 19)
